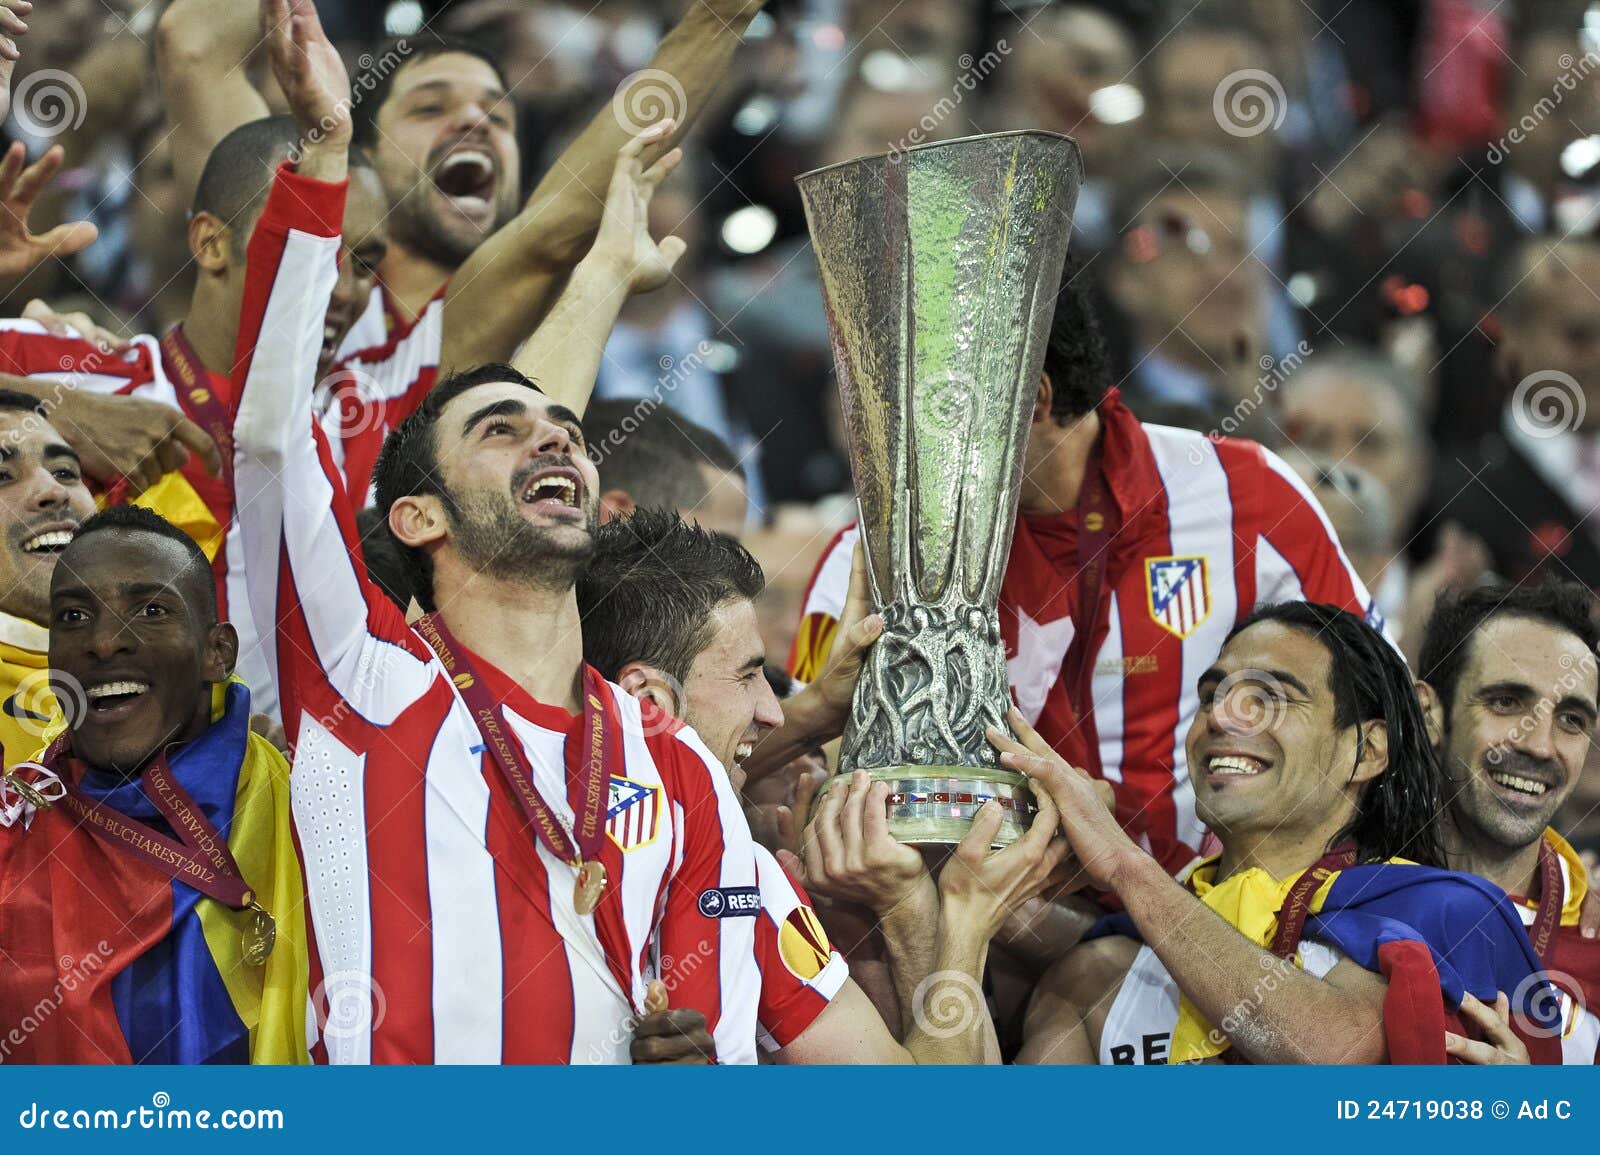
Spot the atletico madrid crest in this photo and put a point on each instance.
(1180, 593)
(633, 816)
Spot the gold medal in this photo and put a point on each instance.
(260, 935)
(590, 886)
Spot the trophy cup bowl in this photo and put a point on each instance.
(939, 267)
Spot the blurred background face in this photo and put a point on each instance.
(1351, 420)
(1057, 66)
(447, 154)
(1542, 63)
(1556, 324)
(42, 500)
(1185, 73)
(1186, 271)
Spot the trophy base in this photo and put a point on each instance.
(935, 805)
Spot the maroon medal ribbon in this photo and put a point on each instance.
(582, 846)
(195, 388)
(1552, 897)
(1297, 906)
(202, 860)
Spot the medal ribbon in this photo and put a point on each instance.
(202, 860)
(1552, 896)
(195, 388)
(599, 747)
(1297, 907)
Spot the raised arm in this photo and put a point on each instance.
(563, 354)
(202, 47)
(339, 638)
(497, 298)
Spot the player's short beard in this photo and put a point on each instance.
(412, 223)
(497, 541)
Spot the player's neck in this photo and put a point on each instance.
(411, 279)
(1280, 853)
(212, 330)
(531, 635)
(1054, 485)
(1514, 870)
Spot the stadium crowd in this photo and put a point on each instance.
(430, 595)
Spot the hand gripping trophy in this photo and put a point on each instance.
(940, 266)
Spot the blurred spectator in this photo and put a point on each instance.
(1530, 489)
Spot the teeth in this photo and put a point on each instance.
(468, 156)
(1520, 785)
(113, 689)
(742, 751)
(557, 487)
(1229, 764)
(55, 539)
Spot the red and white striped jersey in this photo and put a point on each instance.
(800, 970)
(1210, 529)
(443, 931)
(386, 367)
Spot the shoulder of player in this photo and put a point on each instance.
(1083, 981)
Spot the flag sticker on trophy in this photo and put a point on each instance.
(939, 267)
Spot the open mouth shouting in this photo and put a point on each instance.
(466, 178)
(557, 490)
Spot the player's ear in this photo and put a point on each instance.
(417, 520)
(615, 503)
(222, 653)
(208, 242)
(1043, 399)
(1374, 749)
(650, 684)
(1432, 712)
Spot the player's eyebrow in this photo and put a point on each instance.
(509, 407)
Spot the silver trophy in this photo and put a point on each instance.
(940, 266)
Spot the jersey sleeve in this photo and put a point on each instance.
(824, 602)
(1299, 556)
(706, 953)
(342, 648)
(800, 969)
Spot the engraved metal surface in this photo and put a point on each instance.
(939, 267)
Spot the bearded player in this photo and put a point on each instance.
(1137, 549)
(468, 274)
(1509, 685)
(1323, 932)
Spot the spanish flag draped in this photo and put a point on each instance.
(109, 960)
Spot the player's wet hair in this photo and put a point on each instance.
(1456, 617)
(132, 519)
(650, 589)
(1397, 815)
(376, 81)
(651, 454)
(408, 465)
(238, 174)
(1076, 358)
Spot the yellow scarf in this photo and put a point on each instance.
(1577, 878)
(1249, 902)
